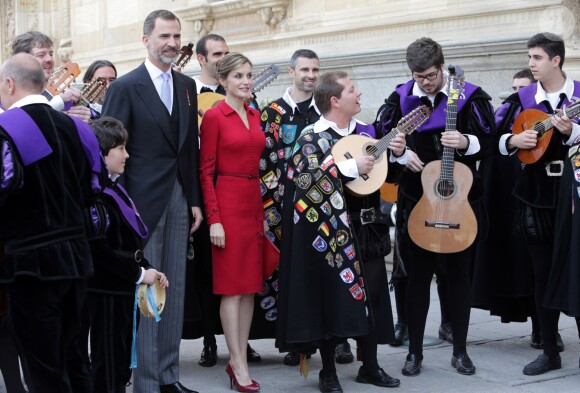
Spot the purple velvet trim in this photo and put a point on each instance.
(438, 118)
(501, 113)
(365, 130)
(528, 97)
(95, 220)
(27, 137)
(7, 174)
(92, 151)
(129, 212)
(67, 106)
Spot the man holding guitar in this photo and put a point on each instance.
(537, 189)
(469, 139)
(40, 46)
(331, 285)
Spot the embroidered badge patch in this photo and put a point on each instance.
(347, 276)
(319, 244)
(312, 215)
(289, 133)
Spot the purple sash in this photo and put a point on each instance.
(27, 137)
(129, 212)
(437, 120)
(528, 97)
(365, 130)
(92, 152)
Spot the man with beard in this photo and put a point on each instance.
(471, 141)
(158, 107)
(283, 120)
(210, 49)
(40, 46)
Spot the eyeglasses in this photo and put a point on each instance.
(430, 77)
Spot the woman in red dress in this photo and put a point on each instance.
(231, 144)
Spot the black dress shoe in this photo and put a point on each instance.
(176, 387)
(292, 359)
(378, 378)
(412, 365)
(342, 353)
(253, 356)
(542, 364)
(463, 364)
(208, 356)
(445, 332)
(328, 383)
(537, 342)
(401, 334)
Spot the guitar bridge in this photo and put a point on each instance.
(441, 225)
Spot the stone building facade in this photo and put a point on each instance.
(366, 38)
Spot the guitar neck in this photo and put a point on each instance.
(569, 112)
(448, 155)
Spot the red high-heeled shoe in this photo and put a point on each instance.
(253, 387)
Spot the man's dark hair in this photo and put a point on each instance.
(201, 45)
(149, 23)
(551, 43)
(307, 53)
(328, 87)
(110, 133)
(24, 42)
(525, 73)
(424, 53)
(95, 65)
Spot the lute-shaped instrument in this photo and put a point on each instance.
(534, 119)
(353, 146)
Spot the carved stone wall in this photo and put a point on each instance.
(367, 38)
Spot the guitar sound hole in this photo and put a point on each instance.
(445, 189)
(370, 149)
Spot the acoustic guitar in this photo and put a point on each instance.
(184, 55)
(62, 78)
(208, 100)
(93, 91)
(534, 119)
(354, 146)
(443, 220)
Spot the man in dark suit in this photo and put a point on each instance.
(46, 170)
(159, 110)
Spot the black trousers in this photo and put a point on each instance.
(541, 257)
(421, 265)
(9, 364)
(110, 321)
(46, 316)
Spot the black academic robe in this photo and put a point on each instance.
(322, 292)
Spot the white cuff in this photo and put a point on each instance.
(474, 145)
(142, 277)
(502, 145)
(574, 134)
(57, 103)
(348, 168)
(402, 160)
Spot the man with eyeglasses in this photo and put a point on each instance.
(472, 140)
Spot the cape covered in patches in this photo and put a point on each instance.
(322, 292)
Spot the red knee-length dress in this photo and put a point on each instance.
(229, 163)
